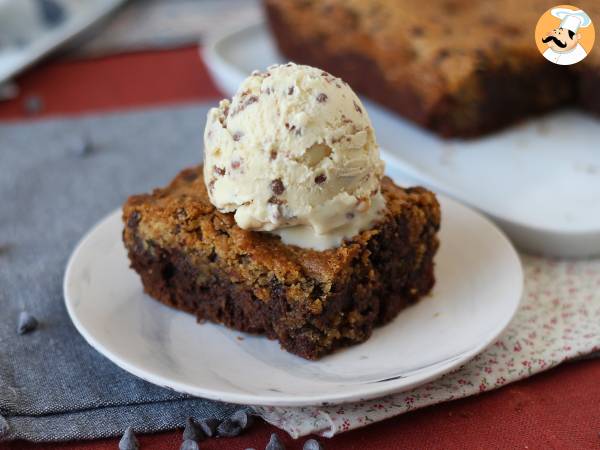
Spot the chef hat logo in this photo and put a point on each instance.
(571, 20)
(565, 34)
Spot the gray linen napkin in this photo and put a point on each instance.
(53, 188)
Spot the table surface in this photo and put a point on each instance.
(557, 409)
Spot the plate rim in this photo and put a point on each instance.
(369, 390)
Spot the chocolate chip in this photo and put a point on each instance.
(290, 127)
(312, 444)
(27, 323)
(357, 108)
(209, 426)
(237, 136)
(322, 98)
(192, 431)
(129, 441)
(81, 145)
(219, 170)
(4, 427)
(244, 419)
(134, 219)
(275, 443)
(320, 179)
(277, 186)
(349, 216)
(211, 185)
(442, 54)
(273, 155)
(229, 428)
(252, 99)
(418, 31)
(290, 90)
(189, 444)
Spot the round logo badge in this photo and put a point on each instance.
(564, 35)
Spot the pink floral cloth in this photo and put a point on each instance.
(559, 319)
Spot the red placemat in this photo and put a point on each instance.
(558, 409)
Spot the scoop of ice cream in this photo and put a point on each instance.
(294, 146)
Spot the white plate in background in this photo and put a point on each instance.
(478, 289)
(26, 36)
(540, 181)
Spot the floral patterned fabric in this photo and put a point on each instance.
(559, 319)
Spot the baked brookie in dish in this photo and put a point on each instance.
(457, 67)
(289, 229)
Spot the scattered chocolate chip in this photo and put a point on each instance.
(322, 98)
(81, 145)
(189, 444)
(219, 170)
(4, 427)
(209, 426)
(349, 216)
(290, 127)
(134, 219)
(273, 155)
(290, 90)
(129, 441)
(320, 179)
(27, 323)
(33, 104)
(312, 444)
(237, 136)
(277, 186)
(229, 428)
(242, 417)
(275, 443)
(357, 108)
(192, 431)
(268, 91)
(252, 99)
(235, 164)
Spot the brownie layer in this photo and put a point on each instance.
(320, 302)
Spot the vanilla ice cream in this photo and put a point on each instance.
(294, 148)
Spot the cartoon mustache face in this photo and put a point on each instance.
(555, 40)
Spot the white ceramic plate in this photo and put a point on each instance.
(540, 181)
(479, 285)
